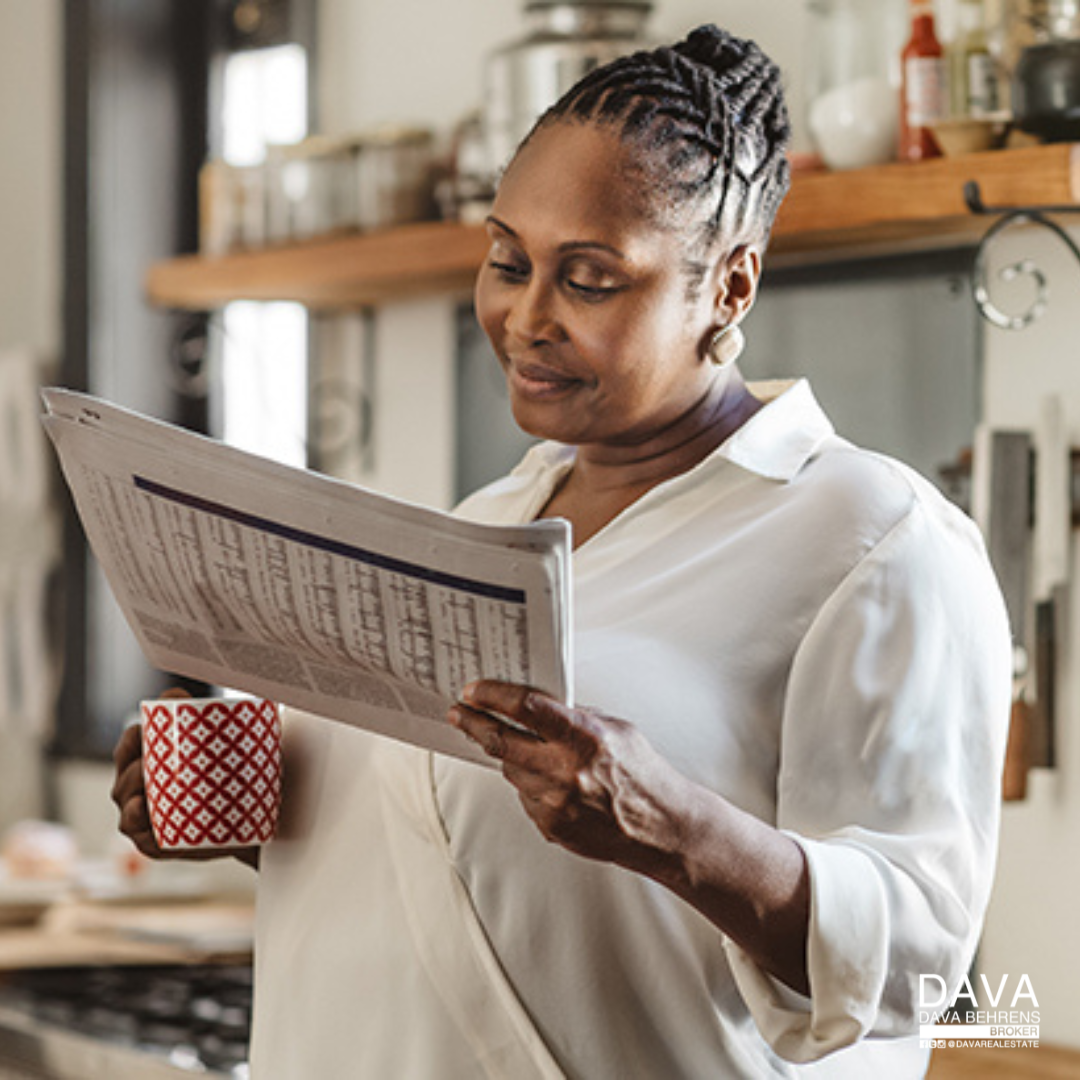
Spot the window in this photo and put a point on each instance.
(261, 403)
(182, 80)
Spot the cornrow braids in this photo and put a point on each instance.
(709, 118)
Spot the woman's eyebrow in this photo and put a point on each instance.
(591, 245)
(569, 245)
(491, 219)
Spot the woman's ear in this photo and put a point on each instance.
(737, 278)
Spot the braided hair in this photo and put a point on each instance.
(709, 119)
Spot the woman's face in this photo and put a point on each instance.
(585, 297)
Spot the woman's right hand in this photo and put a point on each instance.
(129, 794)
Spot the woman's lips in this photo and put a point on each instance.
(540, 381)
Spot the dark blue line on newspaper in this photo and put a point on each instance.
(301, 536)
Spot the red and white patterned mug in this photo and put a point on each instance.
(212, 768)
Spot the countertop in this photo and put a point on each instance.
(76, 978)
(34, 1050)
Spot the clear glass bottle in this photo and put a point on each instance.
(1012, 25)
(973, 80)
(852, 80)
(1063, 19)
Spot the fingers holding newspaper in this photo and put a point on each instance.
(589, 782)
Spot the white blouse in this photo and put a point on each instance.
(809, 629)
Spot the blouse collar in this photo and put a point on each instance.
(776, 442)
(779, 439)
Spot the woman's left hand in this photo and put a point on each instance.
(595, 785)
(589, 782)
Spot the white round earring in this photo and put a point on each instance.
(726, 345)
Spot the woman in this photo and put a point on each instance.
(782, 808)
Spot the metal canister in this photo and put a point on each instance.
(565, 40)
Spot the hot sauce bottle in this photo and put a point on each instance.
(924, 87)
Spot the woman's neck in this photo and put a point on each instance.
(604, 468)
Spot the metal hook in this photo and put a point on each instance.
(990, 311)
(1013, 215)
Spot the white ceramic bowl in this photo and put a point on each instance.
(857, 124)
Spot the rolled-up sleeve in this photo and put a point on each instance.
(893, 736)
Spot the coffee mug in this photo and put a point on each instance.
(212, 768)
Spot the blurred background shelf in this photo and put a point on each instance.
(897, 208)
(345, 271)
(828, 216)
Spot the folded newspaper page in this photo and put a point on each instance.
(276, 581)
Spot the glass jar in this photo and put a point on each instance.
(1051, 20)
(307, 189)
(1012, 25)
(852, 80)
(1016, 24)
(393, 176)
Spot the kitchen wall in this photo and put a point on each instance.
(422, 61)
(1032, 927)
(30, 239)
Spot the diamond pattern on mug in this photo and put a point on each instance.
(227, 791)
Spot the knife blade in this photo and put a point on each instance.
(1001, 505)
(1052, 537)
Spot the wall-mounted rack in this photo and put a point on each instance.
(1010, 217)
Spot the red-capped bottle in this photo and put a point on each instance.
(924, 86)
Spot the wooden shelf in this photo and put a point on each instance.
(827, 216)
(894, 208)
(343, 271)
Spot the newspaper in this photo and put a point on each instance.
(279, 582)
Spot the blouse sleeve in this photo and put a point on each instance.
(893, 738)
